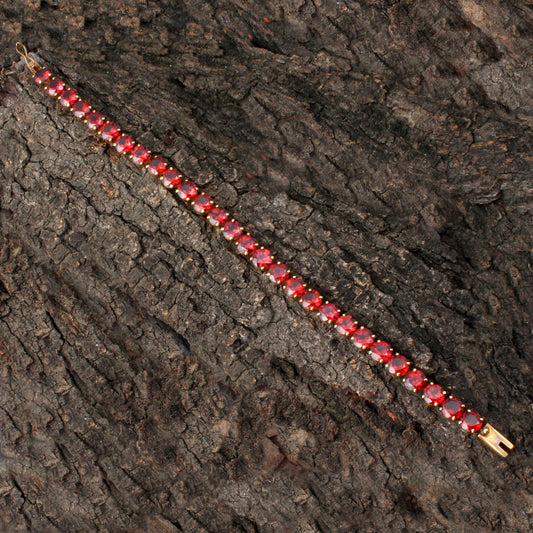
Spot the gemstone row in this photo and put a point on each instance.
(361, 337)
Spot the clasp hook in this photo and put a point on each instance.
(495, 441)
(32, 64)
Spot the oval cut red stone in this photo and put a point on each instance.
(433, 394)
(381, 351)
(311, 300)
(81, 108)
(68, 98)
(471, 421)
(187, 190)
(246, 244)
(295, 287)
(328, 312)
(157, 166)
(95, 120)
(363, 338)
(42, 76)
(452, 408)
(278, 273)
(345, 325)
(262, 258)
(140, 155)
(414, 380)
(232, 230)
(56, 87)
(202, 204)
(109, 132)
(398, 365)
(171, 178)
(217, 216)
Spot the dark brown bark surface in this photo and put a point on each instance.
(152, 380)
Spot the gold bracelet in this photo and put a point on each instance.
(202, 204)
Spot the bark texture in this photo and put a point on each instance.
(151, 380)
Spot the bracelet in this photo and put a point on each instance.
(294, 287)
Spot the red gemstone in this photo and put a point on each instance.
(202, 204)
(232, 230)
(381, 351)
(345, 325)
(171, 178)
(55, 87)
(246, 244)
(95, 120)
(452, 408)
(434, 394)
(81, 108)
(363, 338)
(328, 312)
(414, 380)
(109, 132)
(311, 300)
(42, 76)
(157, 166)
(295, 287)
(262, 258)
(187, 190)
(278, 273)
(398, 365)
(217, 216)
(140, 155)
(68, 98)
(471, 421)
(124, 144)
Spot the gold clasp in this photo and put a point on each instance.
(495, 441)
(32, 64)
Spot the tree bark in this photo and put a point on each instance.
(152, 380)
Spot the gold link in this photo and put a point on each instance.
(32, 64)
(495, 441)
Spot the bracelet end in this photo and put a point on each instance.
(495, 441)
(30, 62)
